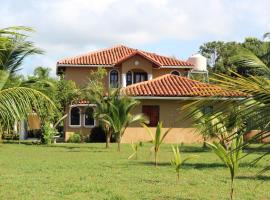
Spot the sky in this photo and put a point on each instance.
(169, 27)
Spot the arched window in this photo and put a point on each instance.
(75, 119)
(89, 117)
(114, 79)
(175, 73)
(129, 78)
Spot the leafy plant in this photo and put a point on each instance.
(177, 160)
(157, 138)
(134, 147)
(48, 133)
(75, 138)
(229, 157)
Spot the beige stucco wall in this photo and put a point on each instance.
(143, 65)
(159, 72)
(171, 116)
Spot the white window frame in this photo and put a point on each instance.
(110, 77)
(75, 126)
(175, 71)
(89, 126)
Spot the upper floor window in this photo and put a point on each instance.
(175, 73)
(129, 78)
(152, 112)
(89, 117)
(75, 119)
(139, 77)
(114, 79)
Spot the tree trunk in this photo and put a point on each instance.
(118, 141)
(108, 139)
(178, 176)
(156, 158)
(204, 142)
(231, 194)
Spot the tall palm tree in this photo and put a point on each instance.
(14, 48)
(17, 102)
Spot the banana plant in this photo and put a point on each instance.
(177, 160)
(134, 147)
(230, 157)
(157, 138)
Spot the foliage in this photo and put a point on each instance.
(116, 114)
(158, 138)
(75, 138)
(177, 160)
(14, 48)
(134, 147)
(48, 133)
(220, 55)
(97, 134)
(229, 157)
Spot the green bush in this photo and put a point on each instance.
(10, 136)
(47, 133)
(75, 138)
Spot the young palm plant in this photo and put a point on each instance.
(157, 138)
(118, 116)
(134, 147)
(177, 160)
(230, 157)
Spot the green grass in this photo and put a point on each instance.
(89, 171)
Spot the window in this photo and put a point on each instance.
(75, 119)
(152, 112)
(89, 117)
(139, 77)
(129, 78)
(175, 73)
(114, 79)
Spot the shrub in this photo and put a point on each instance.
(97, 134)
(10, 136)
(75, 138)
(47, 133)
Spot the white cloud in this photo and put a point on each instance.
(70, 27)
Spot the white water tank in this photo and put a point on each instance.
(199, 62)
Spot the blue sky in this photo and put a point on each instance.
(170, 27)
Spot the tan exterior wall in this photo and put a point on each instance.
(171, 116)
(159, 72)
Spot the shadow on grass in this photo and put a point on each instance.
(261, 177)
(194, 149)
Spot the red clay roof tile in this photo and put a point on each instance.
(118, 54)
(175, 86)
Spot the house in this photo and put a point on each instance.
(159, 82)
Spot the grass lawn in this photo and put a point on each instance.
(89, 171)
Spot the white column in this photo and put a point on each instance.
(124, 81)
(150, 77)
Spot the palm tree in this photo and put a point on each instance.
(157, 139)
(17, 102)
(230, 157)
(118, 116)
(14, 48)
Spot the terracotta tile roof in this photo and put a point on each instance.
(118, 54)
(175, 86)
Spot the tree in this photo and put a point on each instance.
(157, 139)
(17, 102)
(119, 115)
(14, 48)
(177, 160)
(230, 157)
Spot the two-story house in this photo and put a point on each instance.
(160, 83)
